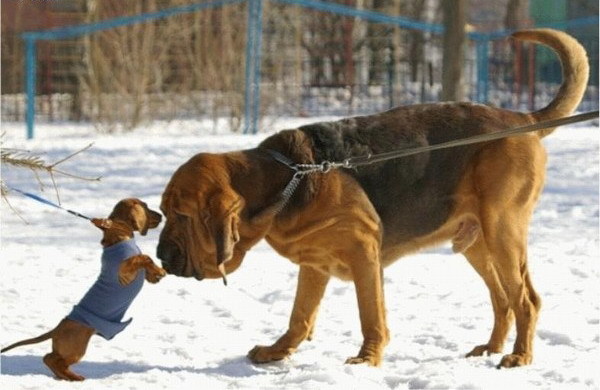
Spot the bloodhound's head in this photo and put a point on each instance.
(201, 236)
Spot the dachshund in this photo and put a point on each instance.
(121, 278)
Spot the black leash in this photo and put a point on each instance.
(370, 159)
(300, 170)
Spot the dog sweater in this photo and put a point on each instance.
(106, 302)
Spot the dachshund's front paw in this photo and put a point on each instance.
(126, 277)
(155, 274)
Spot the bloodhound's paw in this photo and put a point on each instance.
(515, 360)
(483, 350)
(155, 274)
(374, 361)
(370, 353)
(266, 354)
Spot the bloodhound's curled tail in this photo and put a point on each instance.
(575, 72)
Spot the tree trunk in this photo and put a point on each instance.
(515, 14)
(378, 41)
(416, 41)
(454, 48)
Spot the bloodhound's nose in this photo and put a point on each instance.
(167, 253)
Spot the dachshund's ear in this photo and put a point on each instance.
(139, 219)
(102, 223)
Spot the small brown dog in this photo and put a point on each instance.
(104, 305)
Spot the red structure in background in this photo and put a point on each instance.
(19, 16)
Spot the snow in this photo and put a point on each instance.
(189, 334)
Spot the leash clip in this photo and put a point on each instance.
(325, 166)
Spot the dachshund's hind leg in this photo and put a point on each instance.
(60, 368)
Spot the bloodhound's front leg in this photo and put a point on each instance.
(368, 280)
(311, 287)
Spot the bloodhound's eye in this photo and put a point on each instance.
(205, 218)
(181, 218)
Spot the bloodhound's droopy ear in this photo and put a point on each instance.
(224, 220)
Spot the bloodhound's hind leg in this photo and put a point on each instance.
(525, 303)
(502, 262)
(507, 180)
(481, 259)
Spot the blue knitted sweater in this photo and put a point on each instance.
(106, 302)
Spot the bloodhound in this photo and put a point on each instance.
(351, 223)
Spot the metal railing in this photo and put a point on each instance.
(253, 52)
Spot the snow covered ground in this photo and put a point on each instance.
(188, 334)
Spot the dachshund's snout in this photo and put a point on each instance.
(155, 218)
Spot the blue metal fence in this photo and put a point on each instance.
(253, 62)
(32, 37)
(254, 44)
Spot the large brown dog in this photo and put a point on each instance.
(71, 336)
(352, 223)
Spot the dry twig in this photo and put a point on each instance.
(24, 159)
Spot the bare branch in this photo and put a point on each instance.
(24, 159)
(71, 155)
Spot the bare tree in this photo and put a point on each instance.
(13, 62)
(515, 14)
(454, 14)
(379, 39)
(122, 67)
(188, 65)
(416, 39)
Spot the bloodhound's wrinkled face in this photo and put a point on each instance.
(202, 223)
